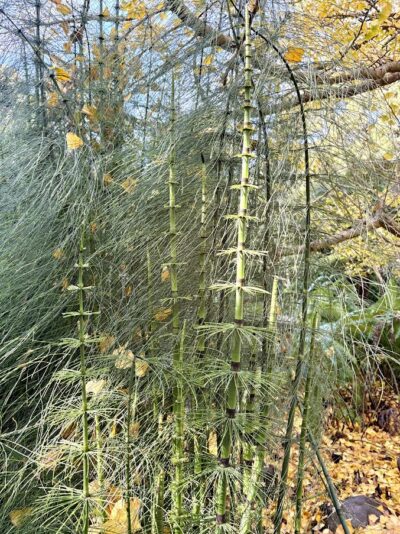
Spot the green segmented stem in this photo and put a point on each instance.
(202, 308)
(178, 397)
(39, 82)
(199, 441)
(258, 463)
(82, 353)
(100, 471)
(179, 457)
(329, 483)
(101, 73)
(151, 328)
(304, 427)
(130, 416)
(157, 526)
(248, 448)
(173, 228)
(304, 310)
(236, 348)
(199, 496)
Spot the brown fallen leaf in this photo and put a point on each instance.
(118, 520)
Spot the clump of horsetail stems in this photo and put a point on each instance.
(81, 342)
(178, 397)
(233, 388)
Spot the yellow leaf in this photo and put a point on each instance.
(208, 60)
(163, 314)
(128, 291)
(106, 343)
(90, 111)
(388, 156)
(135, 9)
(65, 283)
(359, 5)
(213, 443)
(19, 516)
(107, 179)
(52, 99)
(73, 141)
(114, 495)
(61, 74)
(372, 31)
(63, 9)
(129, 185)
(58, 253)
(95, 386)
(125, 358)
(165, 274)
(372, 519)
(141, 368)
(385, 12)
(67, 47)
(115, 429)
(118, 522)
(134, 429)
(106, 12)
(294, 55)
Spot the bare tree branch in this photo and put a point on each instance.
(369, 78)
(360, 227)
(347, 91)
(200, 28)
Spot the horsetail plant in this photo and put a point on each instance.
(130, 417)
(329, 484)
(39, 72)
(260, 439)
(81, 342)
(157, 520)
(241, 218)
(199, 440)
(209, 396)
(178, 397)
(101, 89)
(202, 307)
(99, 465)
